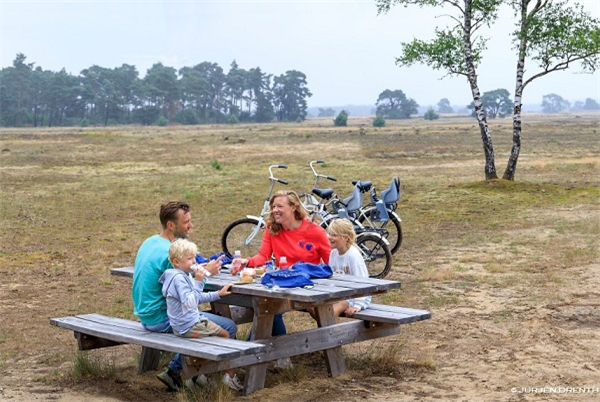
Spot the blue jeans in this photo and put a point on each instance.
(278, 326)
(176, 365)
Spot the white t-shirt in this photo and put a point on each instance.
(353, 264)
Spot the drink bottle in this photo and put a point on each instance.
(236, 263)
(283, 264)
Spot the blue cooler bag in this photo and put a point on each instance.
(286, 278)
(314, 271)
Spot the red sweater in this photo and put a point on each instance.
(308, 243)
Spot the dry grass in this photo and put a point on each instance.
(77, 202)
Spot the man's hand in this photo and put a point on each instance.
(213, 266)
(225, 290)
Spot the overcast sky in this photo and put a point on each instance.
(345, 49)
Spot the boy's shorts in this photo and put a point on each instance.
(202, 328)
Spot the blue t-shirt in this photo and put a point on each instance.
(151, 261)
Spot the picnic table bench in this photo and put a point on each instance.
(97, 331)
(256, 304)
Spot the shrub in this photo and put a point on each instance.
(188, 117)
(379, 121)
(341, 120)
(163, 122)
(431, 115)
(233, 119)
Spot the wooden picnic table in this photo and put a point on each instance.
(329, 335)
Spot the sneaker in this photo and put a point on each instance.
(196, 382)
(284, 363)
(233, 382)
(170, 379)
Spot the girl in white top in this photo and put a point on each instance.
(346, 257)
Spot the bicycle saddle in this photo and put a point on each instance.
(324, 193)
(364, 186)
(391, 194)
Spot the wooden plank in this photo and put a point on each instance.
(262, 327)
(149, 359)
(208, 348)
(381, 284)
(334, 357)
(391, 314)
(337, 287)
(303, 342)
(125, 271)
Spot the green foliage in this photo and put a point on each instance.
(233, 119)
(192, 95)
(431, 114)
(289, 96)
(553, 103)
(84, 123)
(395, 105)
(215, 164)
(187, 117)
(379, 121)
(162, 121)
(496, 103)
(561, 33)
(326, 112)
(341, 120)
(444, 106)
(445, 52)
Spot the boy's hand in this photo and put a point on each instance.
(350, 311)
(213, 266)
(199, 274)
(225, 290)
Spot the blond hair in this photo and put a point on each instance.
(342, 227)
(293, 201)
(180, 248)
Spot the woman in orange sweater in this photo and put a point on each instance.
(290, 234)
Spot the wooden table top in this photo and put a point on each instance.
(335, 287)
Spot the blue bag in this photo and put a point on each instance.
(287, 278)
(226, 260)
(314, 271)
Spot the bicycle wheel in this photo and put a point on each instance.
(376, 254)
(244, 235)
(390, 229)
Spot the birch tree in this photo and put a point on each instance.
(552, 33)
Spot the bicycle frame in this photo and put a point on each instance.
(265, 208)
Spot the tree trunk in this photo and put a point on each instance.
(509, 173)
(488, 148)
(511, 168)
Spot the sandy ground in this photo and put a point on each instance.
(498, 344)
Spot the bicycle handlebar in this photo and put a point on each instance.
(273, 178)
(317, 175)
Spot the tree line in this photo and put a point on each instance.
(204, 93)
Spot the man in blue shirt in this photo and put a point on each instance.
(151, 261)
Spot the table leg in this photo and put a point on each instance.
(262, 325)
(334, 357)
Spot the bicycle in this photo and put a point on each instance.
(246, 234)
(327, 207)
